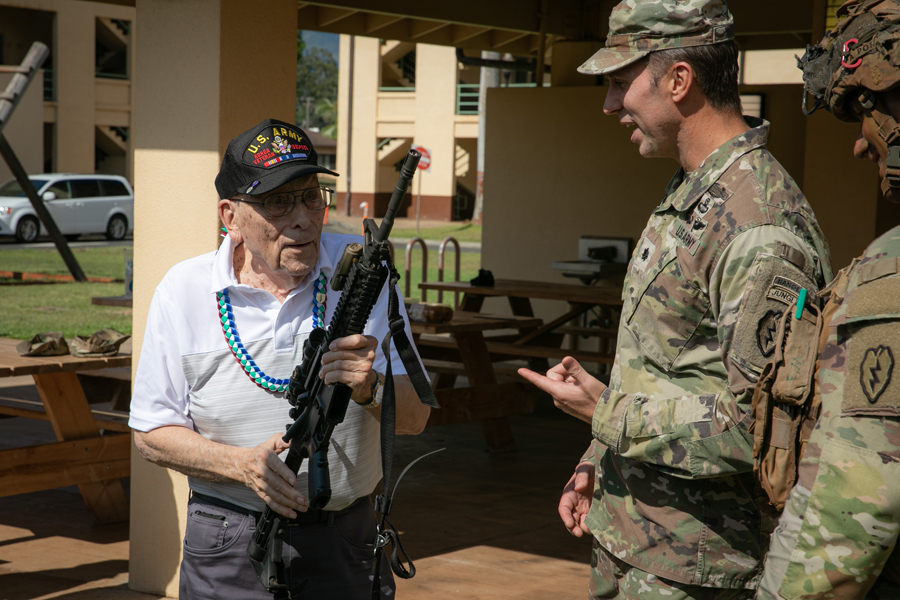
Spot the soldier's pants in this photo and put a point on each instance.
(613, 579)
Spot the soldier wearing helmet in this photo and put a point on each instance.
(667, 488)
(838, 534)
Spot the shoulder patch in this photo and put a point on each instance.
(772, 289)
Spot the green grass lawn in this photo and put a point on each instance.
(95, 262)
(32, 308)
(463, 232)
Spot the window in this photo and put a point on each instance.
(85, 188)
(113, 187)
(61, 189)
(14, 190)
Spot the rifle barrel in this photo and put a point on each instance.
(406, 174)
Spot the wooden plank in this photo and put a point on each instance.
(455, 368)
(71, 417)
(506, 349)
(480, 373)
(123, 301)
(465, 405)
(81, 462)
(463, 321)
(28, 409)
(581, 294)
(577, 310)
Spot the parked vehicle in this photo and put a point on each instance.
(80, 204)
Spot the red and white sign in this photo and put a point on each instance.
(425, 161)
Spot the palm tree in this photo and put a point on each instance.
(326, 110)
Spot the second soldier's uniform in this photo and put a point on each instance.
(839, 529)
(725, 253)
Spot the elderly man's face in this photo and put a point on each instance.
(289, 244)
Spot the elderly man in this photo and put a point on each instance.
(837, 537)
(667, 489)
(197, 410)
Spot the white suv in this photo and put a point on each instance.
(79, 204)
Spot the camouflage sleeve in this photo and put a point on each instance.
(841, 522)
(704, 433)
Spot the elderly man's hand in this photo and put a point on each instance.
(576, 499)
(349, 361)
(267, 475)
(574, 390)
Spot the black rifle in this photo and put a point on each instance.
(317, 408)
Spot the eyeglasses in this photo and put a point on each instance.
(281, 204)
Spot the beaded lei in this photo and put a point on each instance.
(229, 328)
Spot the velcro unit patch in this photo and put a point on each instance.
(872, 383)
(772, 290)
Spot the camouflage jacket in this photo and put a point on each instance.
(727, 250)
(840, 525)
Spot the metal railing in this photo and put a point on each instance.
(396, 89)
(409, 249)
(49, 85)
(443, 246)
(467, 96)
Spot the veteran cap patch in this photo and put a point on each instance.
(266, 157)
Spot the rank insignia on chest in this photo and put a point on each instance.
(642, 257)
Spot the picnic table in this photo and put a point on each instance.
(485, 399)
(542, 342)
(82, 456)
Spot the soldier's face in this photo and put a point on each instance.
(642, 105)
(869, 144)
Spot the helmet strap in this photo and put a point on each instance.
(889, 132)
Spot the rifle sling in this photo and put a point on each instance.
(420, 383)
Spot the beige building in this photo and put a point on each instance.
(85, 93)
(555, 167)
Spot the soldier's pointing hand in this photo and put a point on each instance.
(574, 390)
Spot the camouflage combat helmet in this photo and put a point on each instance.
(639, 27)
(861, 55)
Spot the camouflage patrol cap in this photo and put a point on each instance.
(862, 51)
(639, 27)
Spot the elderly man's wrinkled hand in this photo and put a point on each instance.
(267, 475)
(349, 361)
(574, 390)
(576, 499)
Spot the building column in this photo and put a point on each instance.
(205, 71)
(75, 138)
(436, 77)
(362, 135)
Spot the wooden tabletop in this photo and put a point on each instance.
(581, 294)
(11, 364)
(466, 321)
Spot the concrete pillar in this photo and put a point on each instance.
(436, 77)
(74, 88)
(205, 71)
(362, 138)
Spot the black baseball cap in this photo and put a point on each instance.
(265, 157)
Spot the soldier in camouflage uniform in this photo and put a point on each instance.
(673, 508)
(838, 533)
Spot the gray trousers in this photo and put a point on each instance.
(332, 559)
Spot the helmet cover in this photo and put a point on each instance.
(862, 51)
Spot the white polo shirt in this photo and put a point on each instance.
(187, 375)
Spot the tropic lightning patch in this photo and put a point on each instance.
(869, 386)
(875, 371)
(766, 331)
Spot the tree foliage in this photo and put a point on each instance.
(317, 78)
